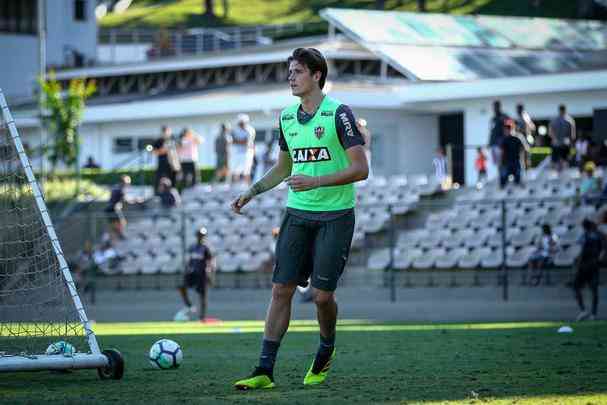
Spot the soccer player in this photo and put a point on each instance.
(197, 275)
(321, 156)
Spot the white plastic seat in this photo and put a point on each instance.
(449, 260)
(379, 259)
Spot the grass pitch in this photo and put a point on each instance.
(508, 363)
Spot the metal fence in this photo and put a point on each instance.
(441, 240)
(136, 45)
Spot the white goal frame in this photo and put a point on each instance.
(33, 362)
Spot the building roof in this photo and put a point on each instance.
(445, 47)
(339, 47)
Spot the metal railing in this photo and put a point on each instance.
(136, 45)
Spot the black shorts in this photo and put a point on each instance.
(196, 280)
(587, 274)
(316, 249)
(560, 152)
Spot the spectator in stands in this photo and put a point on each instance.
(223, 144)
(168, 161)
(590, 186)
(581, 150)
(90, 163)
(546, 249)
(116, 218)
(440, 168)
(496, 132)
(84, 269)
(593, 244)
(524, 123)
(361, 124)
(562, 135)
(187, 151)
(169, 196)
(480, 163)
(198, 275)
(243, 150)
(512, 149)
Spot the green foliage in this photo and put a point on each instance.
(538, 154)
(190, 13)
(138, 177)
(64, 114)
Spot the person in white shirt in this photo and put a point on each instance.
(242, 150)
(187, 151)
(547, 247)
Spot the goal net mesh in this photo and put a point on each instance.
(36, 307)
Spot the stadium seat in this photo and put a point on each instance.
(492, 259)
(450, 258)
(428, 259)
(379, 259)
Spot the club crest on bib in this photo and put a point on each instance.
(319, 132)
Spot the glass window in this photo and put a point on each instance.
(19, 16)
(123, 145)
(80, 10)
(142, 143)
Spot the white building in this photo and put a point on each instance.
(420, 81)
(71, 40)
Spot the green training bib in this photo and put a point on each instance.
(316, 151)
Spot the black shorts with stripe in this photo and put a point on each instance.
(315, 249)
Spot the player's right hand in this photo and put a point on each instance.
(240, 202)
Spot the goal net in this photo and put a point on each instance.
(39, 303)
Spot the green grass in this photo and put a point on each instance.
(189, 13)
(513, 363)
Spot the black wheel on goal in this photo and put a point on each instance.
(115, 367)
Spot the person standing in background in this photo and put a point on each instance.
(562, 133)
(168, 162)
(524, 123)
(361, 124)
(242, 152)
(481, 166)
(593, 244)
(188, 157)
(223, 144)
(496, 133)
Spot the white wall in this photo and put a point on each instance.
(18, 64)
(63, 32)
(19, 53)
(478, 112)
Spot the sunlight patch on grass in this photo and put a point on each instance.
(352, 325)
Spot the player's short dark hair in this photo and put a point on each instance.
(314, 60)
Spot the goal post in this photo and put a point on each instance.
(39, 301)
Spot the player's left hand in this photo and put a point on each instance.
(300, 182)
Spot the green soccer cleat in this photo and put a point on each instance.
(313, 378)
(259, 379)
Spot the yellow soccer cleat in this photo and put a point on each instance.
(319, 377)
(259, 379)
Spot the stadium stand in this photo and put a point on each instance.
(155, 243)
(469, 235)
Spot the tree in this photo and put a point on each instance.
(63, 115)
(380, 4)
(421, 6)
(209, 8)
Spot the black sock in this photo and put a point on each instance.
(269, 350)
(323, 355)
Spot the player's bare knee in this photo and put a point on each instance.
(282, 292)
(323, 298)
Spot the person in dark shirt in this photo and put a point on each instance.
(163, 148)
(496, 132)
(511, 148)
(116, 218)
(198, 275)
(593, 244)
(169, 196)
(321, 156)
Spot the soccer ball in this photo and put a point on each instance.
(61, 347)
(166, 354)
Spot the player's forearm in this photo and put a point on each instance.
(355, 172)
(271, 179)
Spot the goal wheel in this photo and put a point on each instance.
(115, 367)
